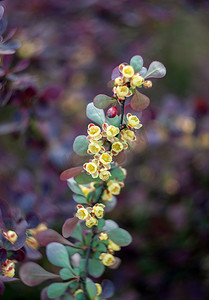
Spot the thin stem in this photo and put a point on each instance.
(122, 113)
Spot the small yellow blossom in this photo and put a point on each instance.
(94, 132)
(8, 268)
(92, 221)
(79, 291)
(119, 81)
(112, 131)
(113, 187)
(94, 148)
(116, 148)
(122, 91)
(128, 71)
(98, 209)
(82, 213)
(133, 121)
(148, 84)
(32, 242)
(105, 158)
(99, 289)
(39, 228)
(107, 259)
(107, 196)
(91, 168)
(113, 246)
(104, 174)
(128, 135)
(11, 236)
(103, 236)
(86, 190)
(136, 80)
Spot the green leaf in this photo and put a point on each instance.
(66, 273)
(136, 62)
(82, 265)
(114, 121)
(80, 145)
(156, 70)
(101, 223)
(75, 188)
(79, 296)
(118, 174)
(57, 254)
(109, 226)
(102, 101)
(79, 199)
(84, 178)
(139, 101)
(95, 267)
(91, 288)
(56, 290)
(120, 236)
(101, 247)
(77, 233)
(95, 114)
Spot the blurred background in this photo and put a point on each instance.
(73, 47)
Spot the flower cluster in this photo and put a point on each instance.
(108, 258)
(90, 214)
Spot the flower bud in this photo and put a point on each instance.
(103, 236)
(112, 112)
(147, 84)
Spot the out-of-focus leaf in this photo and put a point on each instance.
(3, 255)
(22, 65)
(1, 11)
(8, 279)
(2, 287)
(44, 294)
(18, 244)
(32, 274)
(111, 204)
(48, 236)
(136, 62)
(115, 73)
(57, 289)
(80, 199)
(139, 101)
(57, 254)
(120, 158)
(84, 178)
(120, 236)
(108, 289)
(31, 253)
(109, 226)
(91, 288)
(114, 121)
(156, 70)
(80, 145)
(18, 255)
(32, 219)
(51, 93)
(95, 114)
(116, 264)
(69, 227)
(102, 101)
(69, 173)
(95, 267)
(75, 188)
(66, 274)
(118, 174)
(3, 26)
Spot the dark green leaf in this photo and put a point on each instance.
(120, 236)
(77, 233)
(109, 226)
(75, 188)
(114, 121)
(57, 254)
(79, 199)
(118, 174)
(56, 290)
(101, 223)
(66, 273)
(84, 178)
(102, 101)
(91, 288)
(95, 267)
(80, 145)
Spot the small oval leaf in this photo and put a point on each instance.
(136, 62)
(66, 274)
(69, 173)
(69, 227)
(139, 101)
(108, 289)
(32, 274)
(102, 101)
(57, 254)
(95, 268)
(79, 199)
(48, 236)
(95, 114)
(91, 288)
(120, 236)
(80, 145)
(57, 289)
(75, 188)
(156, 70)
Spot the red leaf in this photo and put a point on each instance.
(116, 264)
(139, 101)
(32, 274)
(48, 236)
(69, 227)
(69, 173)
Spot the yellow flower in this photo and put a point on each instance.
(105, 158)
(112, 131)
(94, 148)
(79, 291)
(116, 148)
(99, 289)
(133, 121)
(91, 168)
(86, 190)
(119, 81)
(92, 221)
(136, 80)
(107, 196)
(103, 236)
(128, 135)
(128, 71)
(98, 209)
(8, 268)
(94, 132)
(113, 246)
(122, 91)
(82, 213)
(32, 242)
(104, 174)
(107, 259)
(11, 236)
(148, 84)
(113, 187)
(39, 228)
